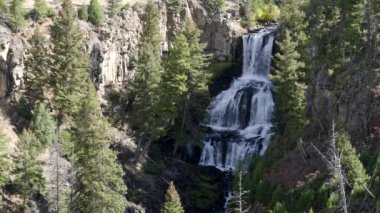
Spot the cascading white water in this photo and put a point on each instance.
(240, 117)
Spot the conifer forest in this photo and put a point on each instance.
(189, 106)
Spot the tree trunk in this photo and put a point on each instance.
(184, 115)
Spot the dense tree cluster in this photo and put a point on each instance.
(337, 38)
(171, 95)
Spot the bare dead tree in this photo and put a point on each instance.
(238, 198)
(334, 164)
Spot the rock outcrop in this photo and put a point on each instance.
(113, 47)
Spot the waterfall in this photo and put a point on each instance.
(240, 117)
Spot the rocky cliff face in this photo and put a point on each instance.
(113, 47)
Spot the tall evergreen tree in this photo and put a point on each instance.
(37, 67)
(5, 161)
(172, 201)
(40, 10)
(99, 175)
(174, 79)
(195, 98)
(43, 125)
(288, 81)
(146, 110)
(113, 7)
(69, 62)
(95, 13)
(353, 167)
(17, 12)
(28, 169)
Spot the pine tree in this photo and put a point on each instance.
(99, 175)
(146, 85)
(28, 169)
(351, 163)
(69, 62)
(174, 79)
(17, 12)
(113, 7)
(95, 13)
(41, 10)
(36, 66)
(5, 162)
(83, 12)
(3, 8)
(172, 201)
(195, 98)
(293, 18)
(288, 81)
(43, 125)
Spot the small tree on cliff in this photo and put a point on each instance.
(83, 12)
(36, 66)
(43, 125)
(28, 170)
(113, 7)
(95, 13)
(5, 162)
(17, 12)
(40, 10)
(172, 201)
(288, 82)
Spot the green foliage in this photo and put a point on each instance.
(40, 10)
(127, 6)
(305, 201)
(23, 109)
(176, 5)
(5, 162)
(3, 8)
(146, 113)
(172, 201)
(17, 13)
(83, 12)
(333, 201)
(113, 7)
(98, 173)
(36, 66)
(352, 165)
(293, 17)
(28, 169)
(288, 81)
(43, 125)
(95, 13)
(259, 11)
(279, 208)
(188, 69)
(69, 62)
(217, 4)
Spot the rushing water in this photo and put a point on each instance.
(240, 117)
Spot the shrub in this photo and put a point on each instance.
(95, 13)
(83, 13)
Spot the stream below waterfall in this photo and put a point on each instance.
(239, 118)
